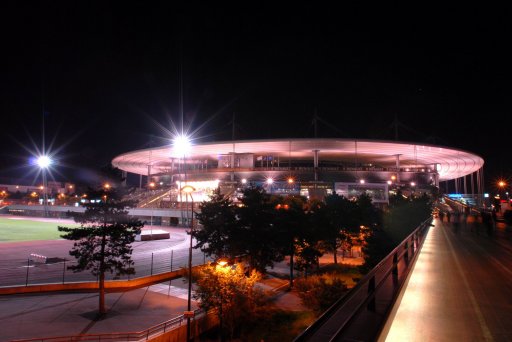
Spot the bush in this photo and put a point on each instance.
(507, 216)
(319, 292)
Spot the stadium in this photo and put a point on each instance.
(309, 167)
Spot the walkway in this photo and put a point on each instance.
(459, 290)
(62, 314)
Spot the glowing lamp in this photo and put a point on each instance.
(181, 145)
(43, 162)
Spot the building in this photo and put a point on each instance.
(310, 167)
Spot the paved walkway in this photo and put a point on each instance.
(459, 289)
(62, 314)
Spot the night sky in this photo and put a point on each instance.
(107, 75)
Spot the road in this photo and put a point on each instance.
(460, 288)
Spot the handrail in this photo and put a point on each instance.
(363, 295)
(143, 335)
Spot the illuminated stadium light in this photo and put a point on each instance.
(181, 145)
(361, 181)
(269, 181)
(44, 162)
(244, 181)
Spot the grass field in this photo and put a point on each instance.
(18, 229)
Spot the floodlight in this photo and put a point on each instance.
(181, 145)
(43, 162)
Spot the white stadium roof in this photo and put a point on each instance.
(452, 163)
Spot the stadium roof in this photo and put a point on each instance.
(452, 163)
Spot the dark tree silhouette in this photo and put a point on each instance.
(103, 240)
(217, 227)
(256, 227)
(290, 223)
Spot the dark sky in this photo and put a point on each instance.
(107, 75)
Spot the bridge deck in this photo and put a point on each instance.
(459, 290)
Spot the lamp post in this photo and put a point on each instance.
(44, 163)
(151, 187)
(187, 189)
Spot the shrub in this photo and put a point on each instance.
(319, 292)
(507, 216)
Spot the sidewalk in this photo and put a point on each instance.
(458, 290)
(62, 314)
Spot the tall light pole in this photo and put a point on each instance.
(44, 163)
(181, 147)
(188, 190)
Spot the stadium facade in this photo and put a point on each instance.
(310, 167)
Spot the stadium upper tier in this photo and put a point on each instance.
(302, 155)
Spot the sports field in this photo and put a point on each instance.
(14, 229)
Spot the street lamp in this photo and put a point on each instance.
(188, 190)
(44, 163)
(269, 182)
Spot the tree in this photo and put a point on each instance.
(229, 291)
(217, 225)
(338, 217)
(242, 230)
(291, 222)
(255, 227)
(103, 240)
(401, 218)
(308, 254)
(405, 214)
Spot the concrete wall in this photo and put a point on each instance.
(198, 326)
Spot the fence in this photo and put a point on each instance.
(144, 335)
(39, 269)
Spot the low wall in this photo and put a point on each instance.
(198, 327)
(110, 285)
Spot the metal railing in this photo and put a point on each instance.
(360, 314)
(143, 335)
(39, 269)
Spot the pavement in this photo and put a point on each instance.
(63, 314)
(66, 314)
